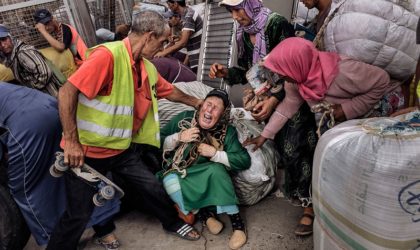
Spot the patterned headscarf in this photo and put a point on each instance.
(259, 16)
(312, 70)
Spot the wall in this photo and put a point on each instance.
(283, 7)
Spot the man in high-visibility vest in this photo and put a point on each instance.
(107, 104)
(60, 36)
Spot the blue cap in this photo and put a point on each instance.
(4, 31)
(42, 16)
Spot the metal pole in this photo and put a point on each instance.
(83, 21)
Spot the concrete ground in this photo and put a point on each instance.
(270, 225)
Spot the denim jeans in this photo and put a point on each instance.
(130, 168)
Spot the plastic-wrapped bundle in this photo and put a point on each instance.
(366, 185)
(378, 32)
(254, 183)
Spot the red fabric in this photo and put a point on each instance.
(95, 77)
(299, 60)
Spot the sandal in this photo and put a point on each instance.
(303, 229)
(184, 232)
(214, 225)
(238, 239)
(113, 245)
(210, 221)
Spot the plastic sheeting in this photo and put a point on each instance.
(366, 184)
(378, 32)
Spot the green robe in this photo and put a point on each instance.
(208, 183)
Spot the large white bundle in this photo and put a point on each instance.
(377, 32)
(366, 185)
(253, 184)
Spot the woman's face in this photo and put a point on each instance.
(210, 112)
(241, 17)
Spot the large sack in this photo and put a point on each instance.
(253, 184)
(378, 32)
(63, 61)
(366, 185)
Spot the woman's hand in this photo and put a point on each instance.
(217, 70)
(258, 141)
(339, 113)
(189, 135)
(404, 111)
(264, 109)
(206, 150)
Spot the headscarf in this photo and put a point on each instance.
(259, 16)
(298, 59)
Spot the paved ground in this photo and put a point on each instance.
(270, 226)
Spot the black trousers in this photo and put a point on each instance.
(130, 168)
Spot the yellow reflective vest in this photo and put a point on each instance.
(107, 121)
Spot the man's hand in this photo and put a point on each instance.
(189, 135)
(40, 27)
(73, 154)
(206, 150)
(263, 109)
(160, 54)
(217, 70)
(198, 104)
(258, 141)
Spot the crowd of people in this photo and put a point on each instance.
(109, 112)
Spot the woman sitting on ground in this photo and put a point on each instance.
(202, 148)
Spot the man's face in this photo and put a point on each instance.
(210, 112)
(310, 3)
(155, 44)
(6, 45)
(51, 26)
(241, 17)
(174, 21)
(172, 6)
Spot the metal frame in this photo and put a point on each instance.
(214, 36)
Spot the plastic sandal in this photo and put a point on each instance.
(183, 232)
(304, 230)
(113, 245)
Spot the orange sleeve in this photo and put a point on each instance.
(95, 75)
(163, 87)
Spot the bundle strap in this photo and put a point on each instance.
(327, 110)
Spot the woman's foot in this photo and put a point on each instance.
(109, 242)
(210, 221)
(238, 238)
(305, 226)
(214, 226)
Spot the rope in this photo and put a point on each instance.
(326, 109)
(319, 38)
(178, 164)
